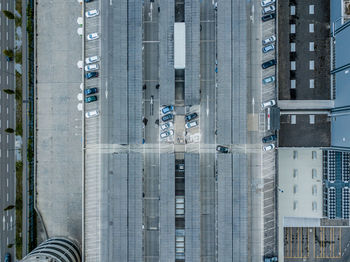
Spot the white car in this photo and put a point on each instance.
(268, 103)
(91, 67)
(166, 126)
(191, 124)
(92, 13)
(92, 59)
(268, 9)
(268, 48)
(269, 40)
(92, 113)
(92, 36)
(267, 2)
(269, 147)
(165, 134)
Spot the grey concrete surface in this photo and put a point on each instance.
(7, 140)
(59, 141)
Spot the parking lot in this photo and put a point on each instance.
(316, 244)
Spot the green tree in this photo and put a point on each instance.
(8, 14)
(9, 130)
(9, 91)
(8, 52)
(9, 207)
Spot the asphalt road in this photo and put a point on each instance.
(7, 141)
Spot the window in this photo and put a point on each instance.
(292, 28)
(295, 205)
(314, 206)
(312, 83)
(295, 154)
(311, 9)
(312, 65)
(292, 65)
(314, 173)
(292, 83)
(295, 173)
(311, 28)
(292, 47)
(292, 10)
(311, 46)
(293, 119)
(314, 190)
(295, 189)
(312, 119)
(314, 155)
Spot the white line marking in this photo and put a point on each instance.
(7, 125)
(7, 168)
(3, 223)
(7, 79)
(7, 197)
(7, 153)
(7, 35)
(7, 182)
(7, 110)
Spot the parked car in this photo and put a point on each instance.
(7, 257)
(268, 17)
(269, 147)
(91, 67)
(91, 91)
(268, 103)
(166, 126)
(92, 59)
(267, 2)
(167, 109)
(268, 9)
(191, 124)
(269, 138)
(268, 64)
(92, 13)
(191, 117)
(92, 36)
(269, 40)
(92, 113)
(222, 149)
(166, 134)
(90, 99)
(88, 1)
(91, 75)
(268, 80)
(167, 117)
(268, 48)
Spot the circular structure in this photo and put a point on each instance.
(57, 249)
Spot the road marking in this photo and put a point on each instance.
(7, 79)
(11, 223)
(7, 241)
(7, 6)
(7, 197)
(7, 182)
(7, 66)
(7, 35)
(7, 22)
(110, 2)
(7, 153)
(7, 168)
(7, 110)
(7, 125)
(3, 223)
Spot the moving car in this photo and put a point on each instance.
(167, 109)
(167, 134)
(222, 149)
(268, 80)
(92, 113)
(92, 13)
(91, 91)
(268, 103)
(269, 138)
(90, 99)
(180, 167)
(268, 48)
(7, 257)
(267, 2)
(268, 9)
(91, 75)
(271, 39)
(166, 126)
(191, 124)
(92, 59)
(269, 147)
(167, 117)
(268, 17)
(268, 64)
(92, 67)
(191, 117)
(92, 36)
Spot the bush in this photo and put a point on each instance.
(8, 14)
(18, 57)
(8, 52)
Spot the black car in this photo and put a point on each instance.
(222, 149)
(167, 117)
(91, 75)
(268, 64)
(191, 117)
(268, 17)
(268, 139)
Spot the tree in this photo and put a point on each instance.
(8, 52)
(9, 91)
(8, 14)
(9, 130)
(9, 207)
